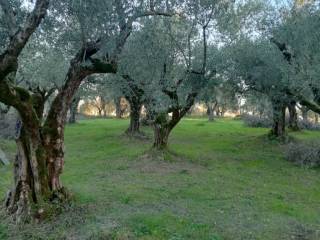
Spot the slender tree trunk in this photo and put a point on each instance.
(74, 110)
(135, 110)
(293, 116)
(316, 118)
(117, 102)
(279, 117)
(103, 106)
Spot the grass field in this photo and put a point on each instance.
(220, 181)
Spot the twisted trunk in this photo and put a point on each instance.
(40, 159)
(30, 178)
(279, 115)
(135, 110)
(37, 168)
(161, 135)
(210, 110)
(163, 126)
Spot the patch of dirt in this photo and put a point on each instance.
(163, 162)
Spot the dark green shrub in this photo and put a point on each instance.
(304, 154)
(255, 121)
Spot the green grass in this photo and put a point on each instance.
(224, 181)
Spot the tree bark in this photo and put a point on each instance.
(34, 180)
(40, 159)
(119, 111)
(134, 96)
(279, 117)
(135, 110)
(293, 116)
(74, 110)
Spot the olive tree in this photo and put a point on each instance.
(297, 39)
(99, 32)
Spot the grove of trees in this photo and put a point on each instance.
(163, 55)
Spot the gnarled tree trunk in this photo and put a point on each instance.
(30, 178)
(135, 110)
(279, 117)
(40, 157)
(210, 110)
(163, 126)
(36, 168)
(161, 135)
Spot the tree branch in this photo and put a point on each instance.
(9, 59)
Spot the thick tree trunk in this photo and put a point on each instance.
(163, 126)
(293, 116)
(35, 175)
(135, 110)
(161, 136)
(74, 110)
(279, 117)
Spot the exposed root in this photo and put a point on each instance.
(21, 207)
